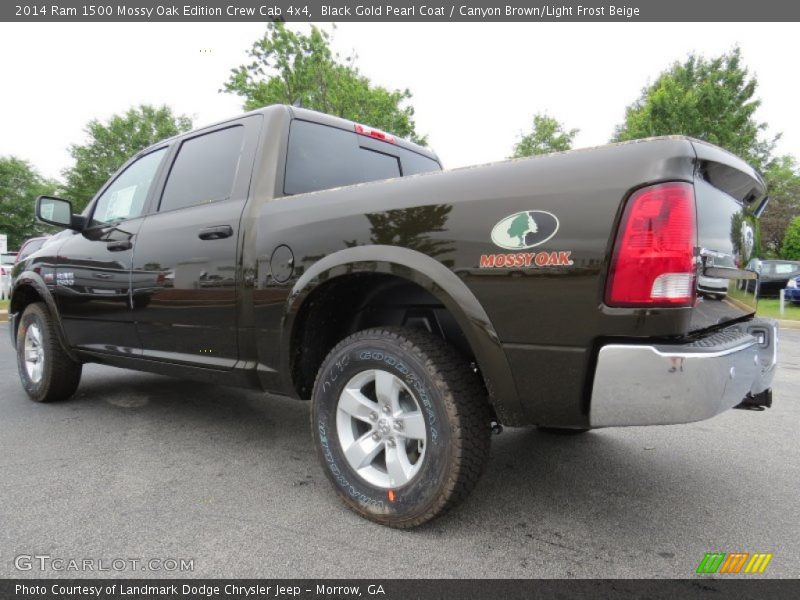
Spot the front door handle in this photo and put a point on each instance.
(216, 233)
(119, 246)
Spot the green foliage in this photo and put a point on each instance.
(289, 67)
(783, 181)
(548, 135)
(791, 241)
(114, 142)
(709, 99)
(19, 186)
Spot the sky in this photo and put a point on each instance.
(475, 86)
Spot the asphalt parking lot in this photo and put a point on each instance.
(143, 466)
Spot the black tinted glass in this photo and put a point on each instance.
(322, 157)
(204, 169)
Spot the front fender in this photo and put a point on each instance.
(20, 298)
(438, 280)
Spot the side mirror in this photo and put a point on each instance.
(56, 211)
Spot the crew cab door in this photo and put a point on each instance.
(92, 278)
(185, 267)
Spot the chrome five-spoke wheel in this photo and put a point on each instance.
(34, 353)
(381, 429)
(400, 423)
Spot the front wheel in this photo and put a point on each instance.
(401, 425)
(46, 371)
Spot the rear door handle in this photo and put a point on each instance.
(119, 246)
(216, 233)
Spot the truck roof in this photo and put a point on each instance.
(312, 115)
(306, 114)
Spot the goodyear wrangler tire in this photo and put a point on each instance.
(47, 373)
(401, 424)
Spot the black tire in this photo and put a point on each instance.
(457, 420)
(562, 430)
(60, 375)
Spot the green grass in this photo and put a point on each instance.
(3, 304)
(770, 307)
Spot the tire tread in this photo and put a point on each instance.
(63, 374)
(468, 410)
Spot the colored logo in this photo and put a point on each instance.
(734, 562)
(525, 229)
(526, 259)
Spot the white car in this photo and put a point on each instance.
(712, 287)
(7, 260)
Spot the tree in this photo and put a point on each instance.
(710, 99)
(20, 183)
(791, 242)
(112, 143)
(548, 135)
(294, 68)
(783, 182)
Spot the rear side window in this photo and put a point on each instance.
(204, 170)
(322, 157)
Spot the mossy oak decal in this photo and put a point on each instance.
(521, 231)
(525, 229)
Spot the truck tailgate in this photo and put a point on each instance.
(728, 194)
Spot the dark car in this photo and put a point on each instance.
(773, 276)
(792, 291)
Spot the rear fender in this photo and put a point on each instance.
(438, 280)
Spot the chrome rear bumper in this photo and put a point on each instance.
(680, 383)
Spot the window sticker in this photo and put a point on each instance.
(119, 207)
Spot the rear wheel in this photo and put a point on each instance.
(46, 371)
(401, 425)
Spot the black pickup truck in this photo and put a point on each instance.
(418, 309)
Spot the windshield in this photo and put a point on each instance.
(30, 248)
(779, 268)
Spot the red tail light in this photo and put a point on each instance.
(653, 260)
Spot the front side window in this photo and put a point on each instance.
(204, 170)
(125, 198)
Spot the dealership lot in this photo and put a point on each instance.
(144, 467)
